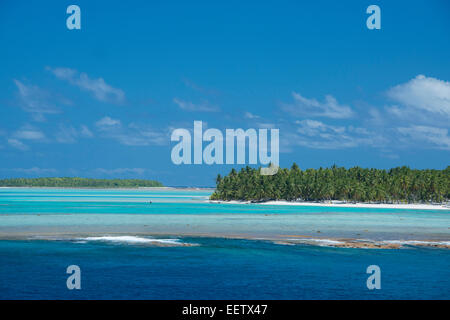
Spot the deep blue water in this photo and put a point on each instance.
(218, 269)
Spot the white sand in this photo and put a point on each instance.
(341, 204)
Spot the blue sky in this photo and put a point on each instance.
(102, 101)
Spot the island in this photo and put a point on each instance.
(368, 185)
(75, 182)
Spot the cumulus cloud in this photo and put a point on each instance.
(98, 87)
(318, 135)
(431, 136)
(201, 107)
(422, 93)
(419, 118)
(330, 108)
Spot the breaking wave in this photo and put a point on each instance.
(319, 242)
(127, 239)
(138, 240)
(131, 239)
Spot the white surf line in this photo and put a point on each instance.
(341, 205)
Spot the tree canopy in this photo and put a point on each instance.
(67, 182)
(400, 184)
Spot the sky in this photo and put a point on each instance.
(102, 101)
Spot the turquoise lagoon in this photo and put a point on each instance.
(180, 246)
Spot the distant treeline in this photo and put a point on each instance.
(336, 183)
(78, 183)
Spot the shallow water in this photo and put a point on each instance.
(187, 212)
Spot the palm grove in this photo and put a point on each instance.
(69, 182)
(400, 184)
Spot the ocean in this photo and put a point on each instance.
(182, 247)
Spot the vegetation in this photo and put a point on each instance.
(336, 183)
(78, 183)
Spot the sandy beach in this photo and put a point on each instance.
(342, 204)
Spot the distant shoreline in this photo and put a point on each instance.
(78, 182)
(333, 203)
(342, 204)
(113, 188)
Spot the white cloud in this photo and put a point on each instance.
(422, 104)
(69, 134)
(249, 115)
(98, 87)
(35, 101)
(131, 135)
(144, 135)
(330, 108)
(422, 93)
(29, 133)
(26, 132)
(314, 128)
(106, 122)
(63, 73)
(266, 125)
(437, 137)
(85, 132)
(17, 144)
(318, 135)
(201, 107)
